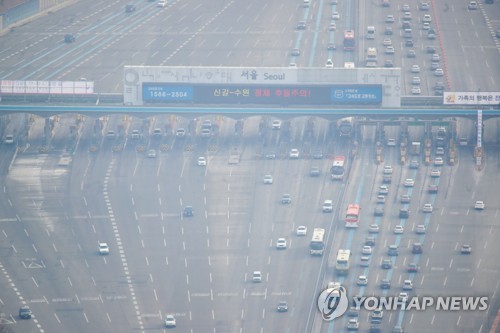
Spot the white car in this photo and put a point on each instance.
(415, 69)
(415, 80)
(407, 16)
(202, 161)
(268, 179)
(367, 249)
(380, 199)
(276, 125)
(294, 153)
(353, 324)
(416, 90)
(301, 230)
(387, 170)
(391, 143)
(472, 5)
(103, 248)
(374, 229)
(438, 72)
(407, 285)
(398, 229)
(427, 18)
(333, 284)
(329, 63)
(435, 173)
(335, 16)
(403, 297)
(409, 182)
(438, 161)
(420, 229)
(362, 280)
(426, 26)
(181, 132)
(389, 19)
(479, 205)
(389, 50)
(257, 276)
(170, 321)
(383, 190)
(152, 153)
(162, 3)
(387, 42)
(427, 208)
(9, 139)
(281, 244)
(327, 206)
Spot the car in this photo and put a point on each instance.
(435, 173)
(9, 139)
(479, 205)
(69, 38)
(376, 316)
(257, 277)
(268, 179)
(407, 16)
(391, 143)
(375, 328)
(353, 312)
(387, 42)
(438, 161)
(202, 161)
(110, 134)
(411, 53)
(281, 244)
(404, 213)
(370, 240)
(379, 211)
(416, 248)
(414, 164)
(329, 63)
(430, 49)
(427, 18)
(301, 230)
(405, 8)
(332, 26)
(424, 6)
(135, 134)
(188, 211)
(301, 25)
(352, 324)
(331, 47)
(472, 5)
(295, 52)
(25, 312)
(294, 153)
(270, 155)
(406, 29)
(409, 182)
(103, 248)
(129, 8)
(333, 284)
(415, 80)
(432, 188)
(374, 229)
(180, 133)
(426, 26)
(416, 90)
(386, 3)
(286, 199)
(162, 3)
(407, 285)
(205, 132)
(314, 171)
(398, 229)
(362, 280)
(282, 306)
(403, 297)
(317, 155)
(385, 284)
(389, 18)
(152, 153)
(431, 34)
(383, 190)
(387, 170)
(386, 264)
(367, 249)
(439, 151)
(335, 16)
(292, 65)
(438, 72)
(276, 124)
(466, 249)
(420, 229)
(497, 33)
(435, 57)
(327, 206)
(397, 329)
(409, 43)
(389, 50)
(392, 250)
(388, 63)
(388, 31)
(415, 69)
(386, 179)
(380, 199)
(170, 321)
(412, 268)
(405, 198)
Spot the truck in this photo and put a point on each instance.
(415, 148)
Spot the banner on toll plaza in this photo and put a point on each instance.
(471, 98)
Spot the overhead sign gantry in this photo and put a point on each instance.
(276, 86)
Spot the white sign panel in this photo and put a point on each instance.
(46, 87)
(471, 98)
(479, 128)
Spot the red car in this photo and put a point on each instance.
(412, 268)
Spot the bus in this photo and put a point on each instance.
(345, 126)
(338, 168)
(317, 245)
(342, 263)
(349, 41)
(352, 216)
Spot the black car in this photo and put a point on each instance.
(431, 49)
(314, 171)
(386, 264)
(370, 241)
(295, 52)
(409, 43)
(404, 213)
(392, 251)
(379, 211)
(411, 54)
(331, 47)
(129, 8)
(414, 164)
(69, 38)
(24, 312)
(385, 284)
(388, 63)
(416, 248)
(387, 179)
(188, 211)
